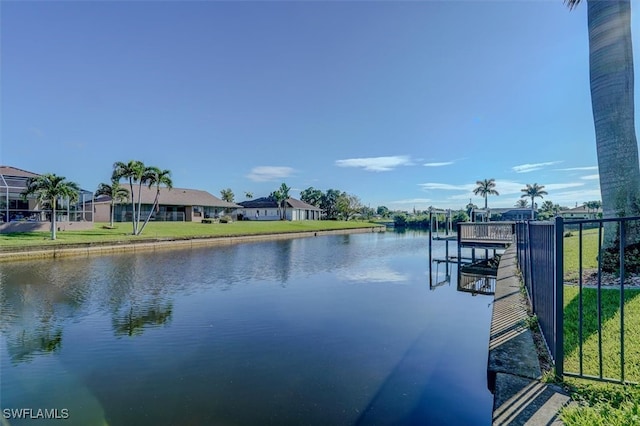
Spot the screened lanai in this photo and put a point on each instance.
(15, 208)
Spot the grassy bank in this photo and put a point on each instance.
(169, 230)
(599, 403)
(572, 251)
(610, 302)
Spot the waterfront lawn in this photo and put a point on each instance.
(572, 253)
(121, 232)
(610, 302)
(601, 403)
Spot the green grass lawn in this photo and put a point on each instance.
(610, 302)
(600, 403)
(572, 253)
(167, 230)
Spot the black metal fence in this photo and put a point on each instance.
(537, 248)
(585, 336)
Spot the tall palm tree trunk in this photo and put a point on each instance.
(612, 99)
(533, 207)
(133, 209)
(139, 206)
(53, 219)
(153, 207)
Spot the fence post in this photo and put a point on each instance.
(531, 281)
(558, 283)
(459, 244)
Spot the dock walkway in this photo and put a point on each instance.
(520, 397)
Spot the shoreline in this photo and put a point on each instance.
(93, 249)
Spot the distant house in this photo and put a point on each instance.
(504, 214)
(580, 212)
(516, 214)
(27, 214)
(266, 208)
(174, 205)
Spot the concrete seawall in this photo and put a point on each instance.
(513, 371)
(83, 250)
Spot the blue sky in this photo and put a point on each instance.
(404, 104)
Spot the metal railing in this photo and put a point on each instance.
(490, 231)
(536, 249)
(613, 236)
(592, 324)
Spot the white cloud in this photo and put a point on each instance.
(591, 177)
(570, 198)
(557, 186)
(446, 186)
(572, 169)
(374, 274)
(376, 164)
(505, 187)
(411, 201)
(268, 173)
(444, 163)
(527, 168)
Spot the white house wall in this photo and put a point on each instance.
(273, 214)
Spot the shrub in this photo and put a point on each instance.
(611, 258)
(226, 219)
(400, 220)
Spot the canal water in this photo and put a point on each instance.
(337, 330)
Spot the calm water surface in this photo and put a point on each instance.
(333, 330)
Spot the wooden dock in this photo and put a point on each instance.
(486, 234)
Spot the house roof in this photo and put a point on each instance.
(581, 209)
(297, 204)
(176, 197)
(519, 210)
(266, 202)
(14, 171)
(15, 178)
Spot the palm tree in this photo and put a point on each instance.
(48, 188)
(284, 192)
(522, 203)
(156, 177)
(278, 198)
(533, 191)
(116, 192)
(133, 171)
(227, 195)
(556, 209)
(612, 102)
(485, 188)
(248, 195)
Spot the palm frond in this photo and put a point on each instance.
(571, 3)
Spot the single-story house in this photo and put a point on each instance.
(580, 212)
(174, 205)
(505, 214)
(266, 208)
(20, 215)
(516, 214)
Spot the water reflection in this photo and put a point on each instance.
(138, 318)
(24, 346)
(477, 284)
(326, 330)
(33, 313)
(475, 277)
(441, 278)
